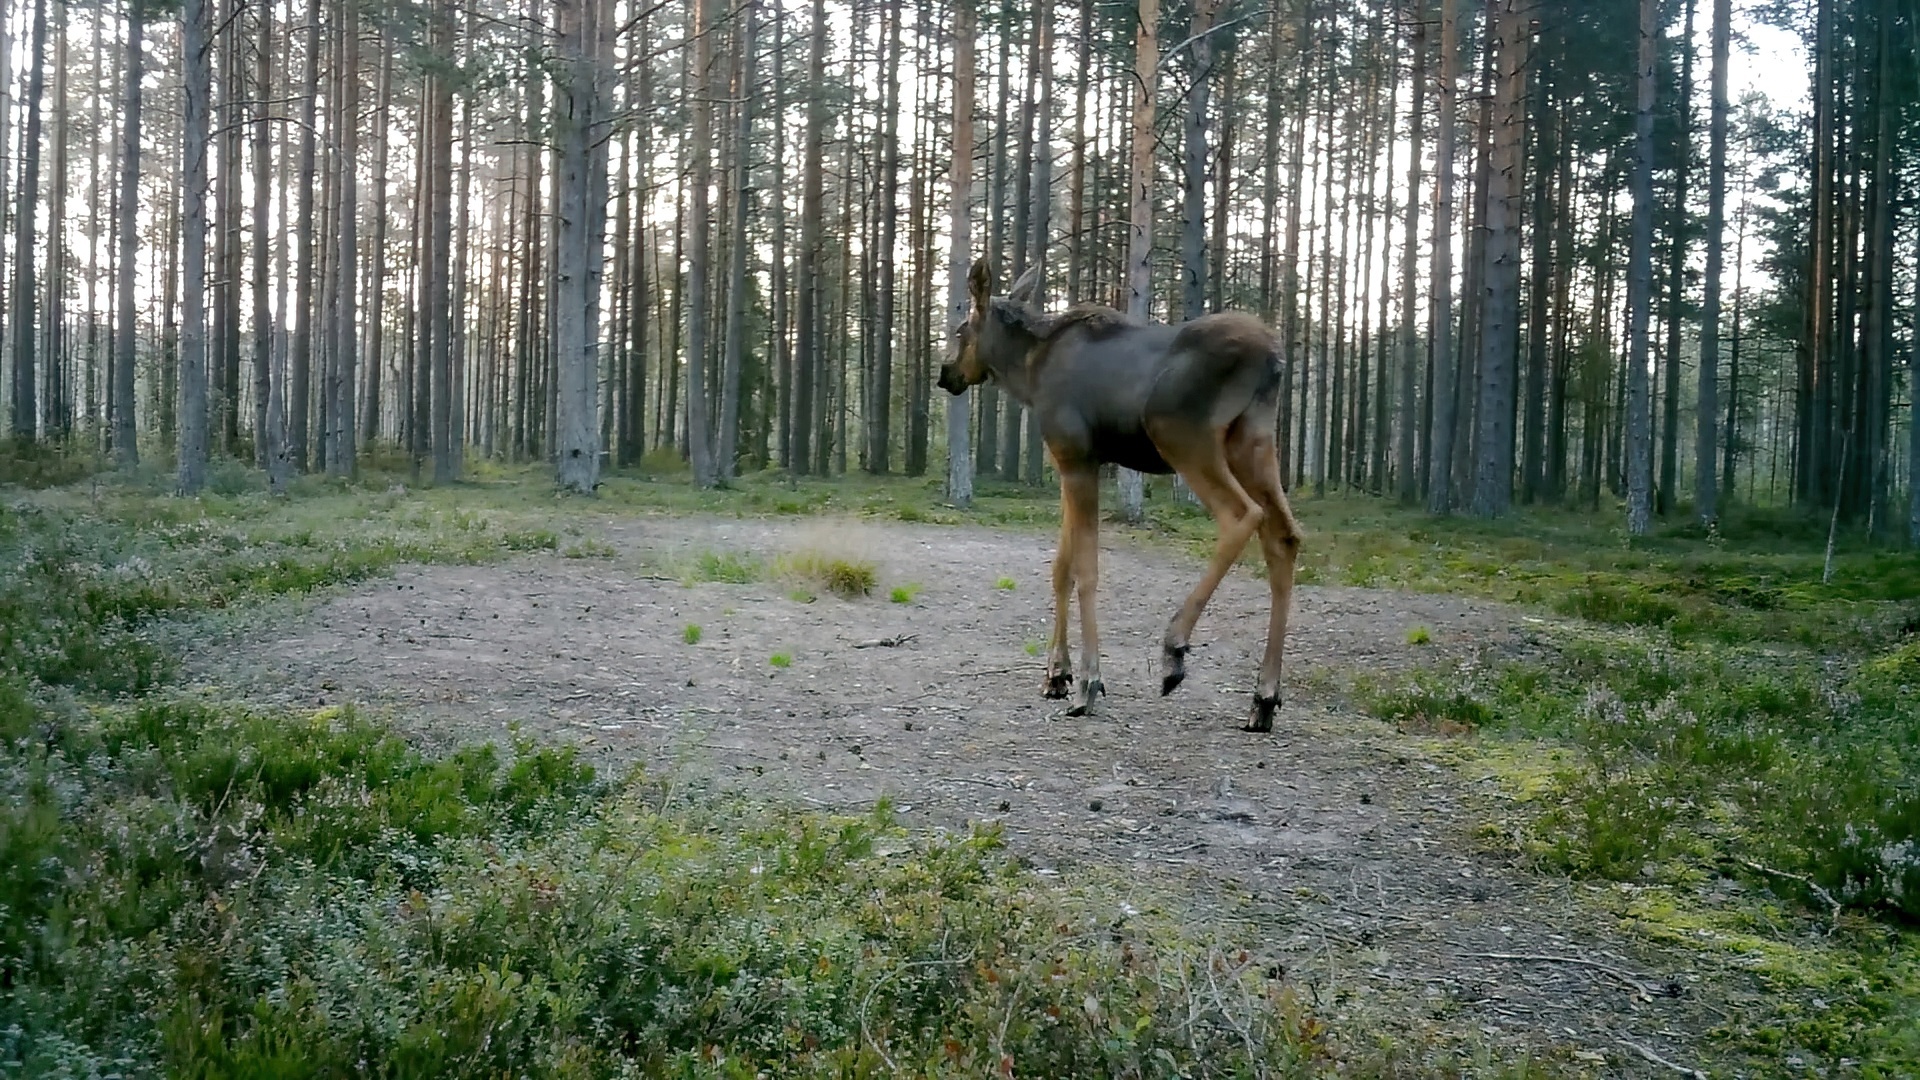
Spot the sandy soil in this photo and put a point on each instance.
(1342, 847)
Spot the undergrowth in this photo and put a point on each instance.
(192, 887)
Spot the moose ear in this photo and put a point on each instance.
(1028, 285)
(980, 284)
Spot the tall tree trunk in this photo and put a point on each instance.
(56, 403)
(1222, 166)
(808, 330)
(1913, 416)
(729, 446)
(1409, 287)
(1292, 325)
(699, 241)
(782, 313)
(1876, 332)
(126, 225)
(97, 378)
(1193, 206)
(1440, 455)
(26, 411)
(343, 443)
(197, 85)
(1499, 335)
(300, 360)
(1640, 283)
(269, 434)
(377, 285)
(225, 363)
(879, 426)
(1077, 245)
(1705, 494)
(439, 314)
(1010, 419)
(1146, 75)
(960, 227)
(580, 193)
(1040, 217)
(987, 451)
(1810, 444)
(1666, 495)
(1540, 282)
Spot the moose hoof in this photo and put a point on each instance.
(1173, 667)
(1089, 689)
(1261, 718)
(1059, 684)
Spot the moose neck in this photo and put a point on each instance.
(1010, 359)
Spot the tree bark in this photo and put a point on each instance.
(1913, 417)
(126, 225)
(580, 192)
(300, 360)
(1146, 73)
(1440, 454)
(1705, 492)
(960, 223)
(269, 427)
(1040, 217)
(343, 443)
(735, 348)
(231, 120)
(1193, 206)
(879, 425)
(377, 285)
(1667, 493)
(1499, 335)
(699, 241)
(439, 314)
(1640, 284)
(26, 412)
(197, 86)
(807, 329)
(1410, 412)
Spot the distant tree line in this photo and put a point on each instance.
(1511, 246)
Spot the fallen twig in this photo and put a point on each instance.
(1833, 905)
(885, 642)
(1541, 958)
(990, 671)
(1658, 1060)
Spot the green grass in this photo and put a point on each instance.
(781, 660)
(195, 887)
(1419, 635)
(691, 635)
(1006, 584)
(729, 567)
(904, 594)
(849, 578)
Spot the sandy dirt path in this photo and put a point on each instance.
(1339, 847)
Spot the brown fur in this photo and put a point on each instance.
(1199, 399)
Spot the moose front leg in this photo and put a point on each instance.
(1059, 679)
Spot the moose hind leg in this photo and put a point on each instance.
(1086, 576)
(1238, 517)
(1255, 465)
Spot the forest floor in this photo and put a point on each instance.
(1364, 861)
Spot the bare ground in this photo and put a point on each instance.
(1343, 849)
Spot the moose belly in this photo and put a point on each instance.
(1130, 449)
